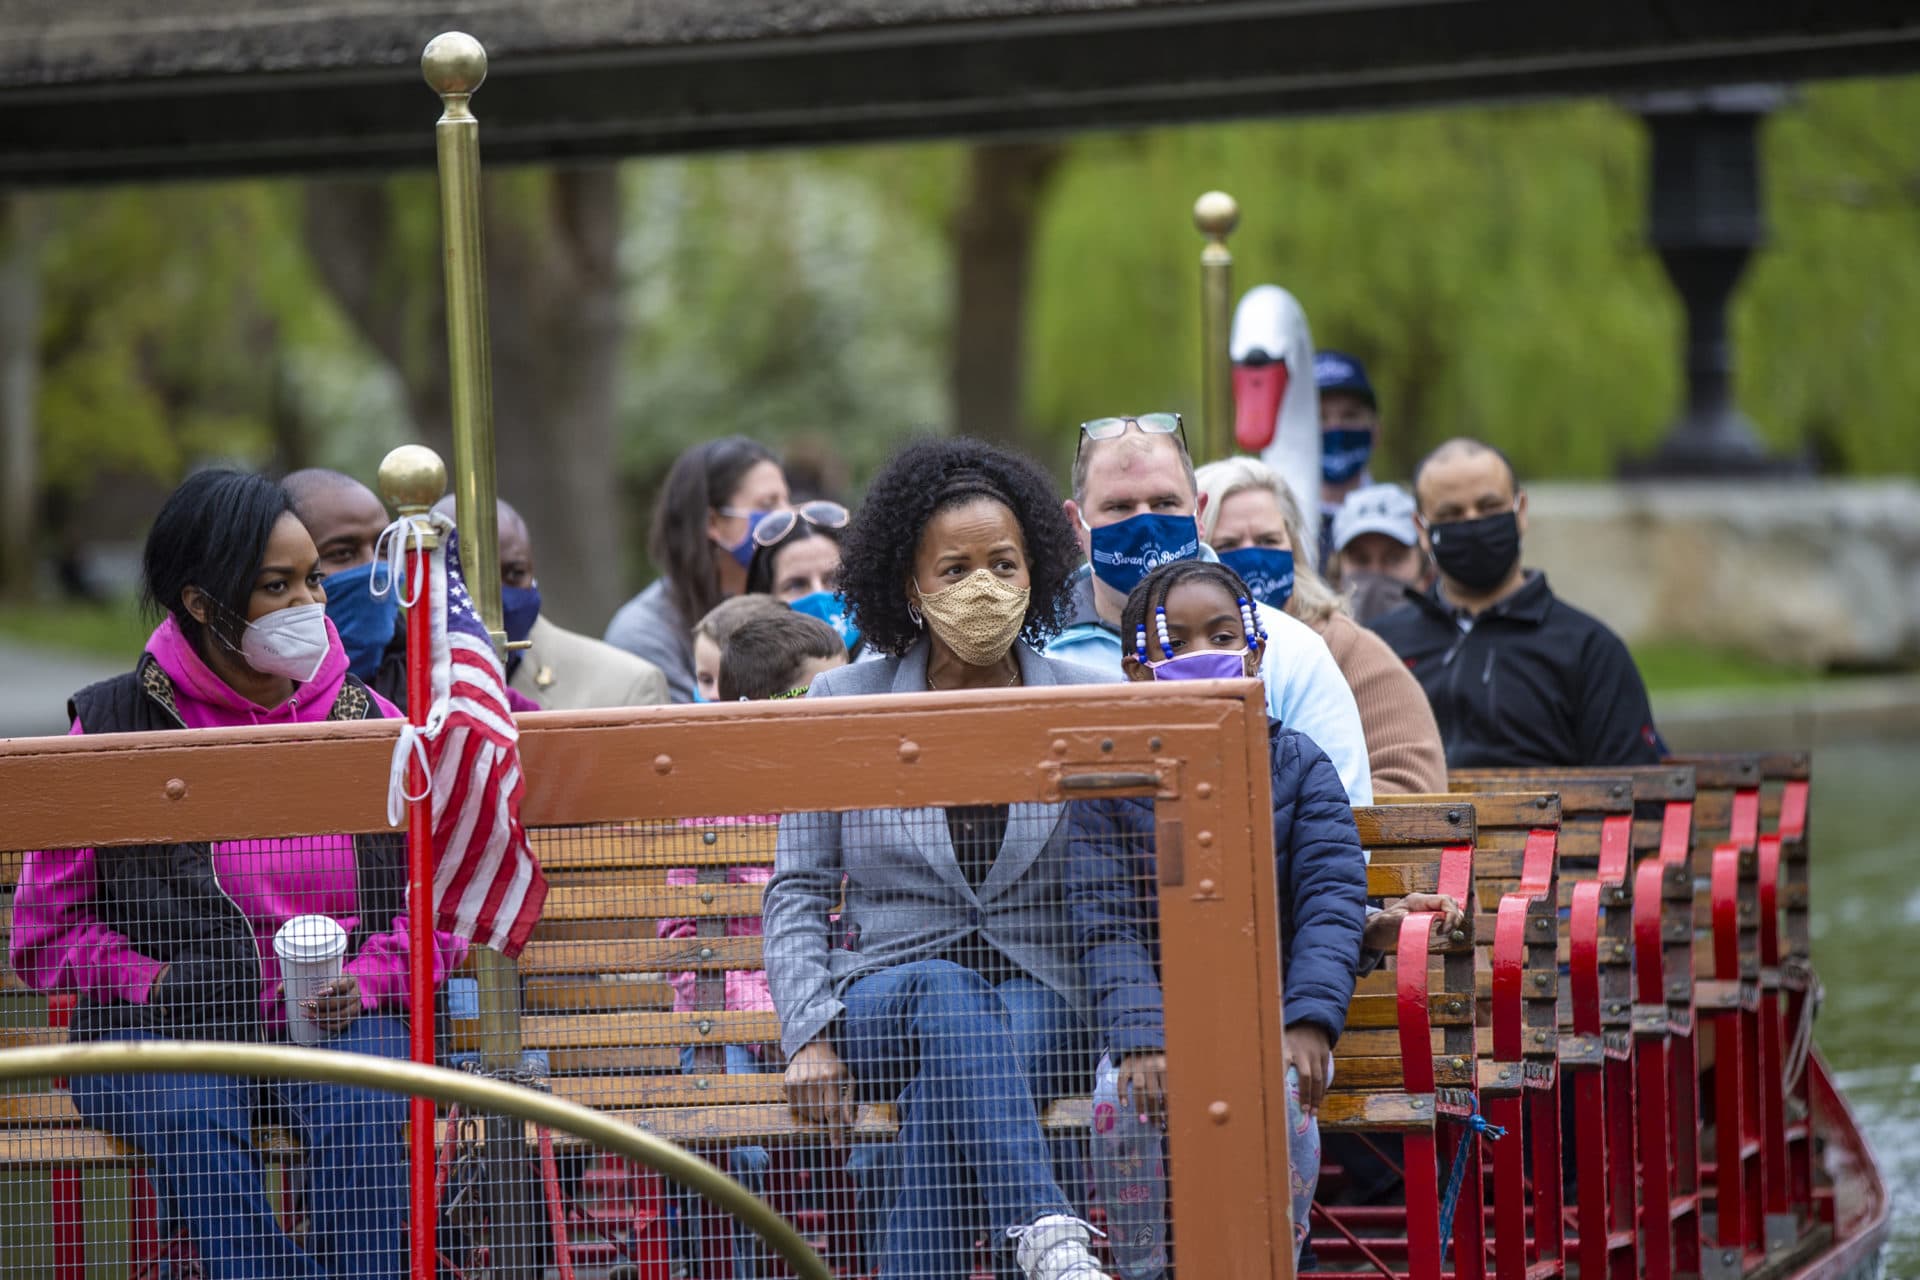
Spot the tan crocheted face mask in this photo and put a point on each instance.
(977, 617)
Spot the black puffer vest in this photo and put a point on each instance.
(168, 902)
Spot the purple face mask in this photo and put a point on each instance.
(1213, 664)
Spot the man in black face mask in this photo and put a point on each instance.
(1516, 676)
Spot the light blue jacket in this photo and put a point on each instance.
(1305, 689)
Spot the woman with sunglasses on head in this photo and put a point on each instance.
(1252, 522)
(947, 985)
(1195, 620)
(796, 560)
(702, 542)
(177, 941)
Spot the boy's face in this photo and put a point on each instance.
(706, 667)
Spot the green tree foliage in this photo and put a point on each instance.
(1490, 266)
(799, 299)
(166, 316)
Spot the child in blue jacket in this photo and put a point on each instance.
(1193, 620)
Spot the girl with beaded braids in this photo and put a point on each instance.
(1195, 620)
(948, 985)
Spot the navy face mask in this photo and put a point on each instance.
(742, 551)
(519, 607)
(1128, 551)
(1267, 571)
(830, 608)
(1344, 452)
(366, 622)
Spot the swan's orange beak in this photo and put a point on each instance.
(1259, 384)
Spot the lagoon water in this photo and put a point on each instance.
(1864, 841)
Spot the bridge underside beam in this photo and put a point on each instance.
(90, 94)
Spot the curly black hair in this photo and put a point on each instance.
(1152, 591)
(930, 476)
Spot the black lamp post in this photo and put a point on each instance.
(1705, 220)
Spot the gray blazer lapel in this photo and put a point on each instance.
(910, 669)
(1029, 829)
(927, 828)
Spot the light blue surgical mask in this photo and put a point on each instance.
(831, 608)
(1130, 549)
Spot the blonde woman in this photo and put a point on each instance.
(1250, 519)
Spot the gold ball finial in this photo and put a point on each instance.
(454, 62)
(412, 478)
(1216, 213)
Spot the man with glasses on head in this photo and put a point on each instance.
(1516, 676)
(1136, 507)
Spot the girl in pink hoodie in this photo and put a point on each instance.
(176, 941)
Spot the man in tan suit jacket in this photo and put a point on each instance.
(562, 670)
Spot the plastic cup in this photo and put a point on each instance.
(311, 950)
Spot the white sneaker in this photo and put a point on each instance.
(1055, 1248)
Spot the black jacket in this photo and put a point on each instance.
(1534, 683)
(167, 902)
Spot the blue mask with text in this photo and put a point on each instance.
(1128, 551)
(366, 622)
(1344, 452)
(831, 608)
(1267, 571)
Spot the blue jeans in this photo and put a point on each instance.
(198, 1132)
(747, 1165)
(967, 1065)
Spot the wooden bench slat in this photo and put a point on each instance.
(726, 844)
(666, 902)
(1414, 824)
(615, 1030)
(1375, 1112)
(640, 955)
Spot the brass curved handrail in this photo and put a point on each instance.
(277, 1062)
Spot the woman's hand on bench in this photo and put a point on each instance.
(820, 1088)
(1383, 927)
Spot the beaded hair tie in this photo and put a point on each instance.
(1256, 634)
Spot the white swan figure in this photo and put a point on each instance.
(1276, 404)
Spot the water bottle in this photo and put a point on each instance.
(1130, 1170)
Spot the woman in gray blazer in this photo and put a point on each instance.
(947, 985)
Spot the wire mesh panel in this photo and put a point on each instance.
(277, 941)
(961, 984)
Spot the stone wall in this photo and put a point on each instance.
(1817, 573)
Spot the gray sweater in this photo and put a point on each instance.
(649, 625)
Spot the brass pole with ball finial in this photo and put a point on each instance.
(1216, 214)
(455, 65)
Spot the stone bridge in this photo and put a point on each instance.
(97, 90)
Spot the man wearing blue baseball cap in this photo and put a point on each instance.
(1349, 422)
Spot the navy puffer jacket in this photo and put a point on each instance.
(1112, 897)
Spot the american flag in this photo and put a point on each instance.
(487, 885)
